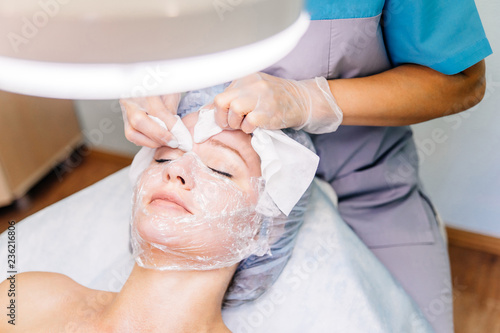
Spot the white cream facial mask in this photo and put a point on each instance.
(188, 217)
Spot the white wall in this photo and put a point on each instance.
(460, 165)
(102, 126)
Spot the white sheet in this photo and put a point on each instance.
(332, 282)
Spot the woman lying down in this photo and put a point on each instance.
(203, 230)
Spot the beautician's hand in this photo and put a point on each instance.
(142, 130)
(266, 101)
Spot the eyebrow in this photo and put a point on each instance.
(215, 142)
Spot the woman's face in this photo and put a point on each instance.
(196, 210)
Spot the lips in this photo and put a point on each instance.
(169, 200)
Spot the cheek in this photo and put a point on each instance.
(146, 223)
(221, 238)
(230, 212)
(150, 179)
(218, 196)
(230, 220)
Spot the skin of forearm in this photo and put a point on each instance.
(407, 94)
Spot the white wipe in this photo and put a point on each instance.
(287, 166)
(180, 132)
(205, 127)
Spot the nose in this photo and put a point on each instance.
(178, 173)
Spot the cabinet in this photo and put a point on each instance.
(36, 134)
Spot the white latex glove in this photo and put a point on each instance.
(269, 102)
(144, 131)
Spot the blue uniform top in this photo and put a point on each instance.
(445, 35)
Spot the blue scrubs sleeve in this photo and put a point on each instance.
(445, 35)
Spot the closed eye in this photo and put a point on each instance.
(163, 160)
(225, 174)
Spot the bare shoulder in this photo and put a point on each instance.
(34, 296)
(44, 287)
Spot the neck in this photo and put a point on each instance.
(170, 301)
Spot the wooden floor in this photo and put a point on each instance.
(476, 283)
(476, 275)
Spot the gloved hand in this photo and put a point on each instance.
(144, 131)
(269, 102)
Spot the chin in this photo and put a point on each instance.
(173, 240)
(157, 231)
